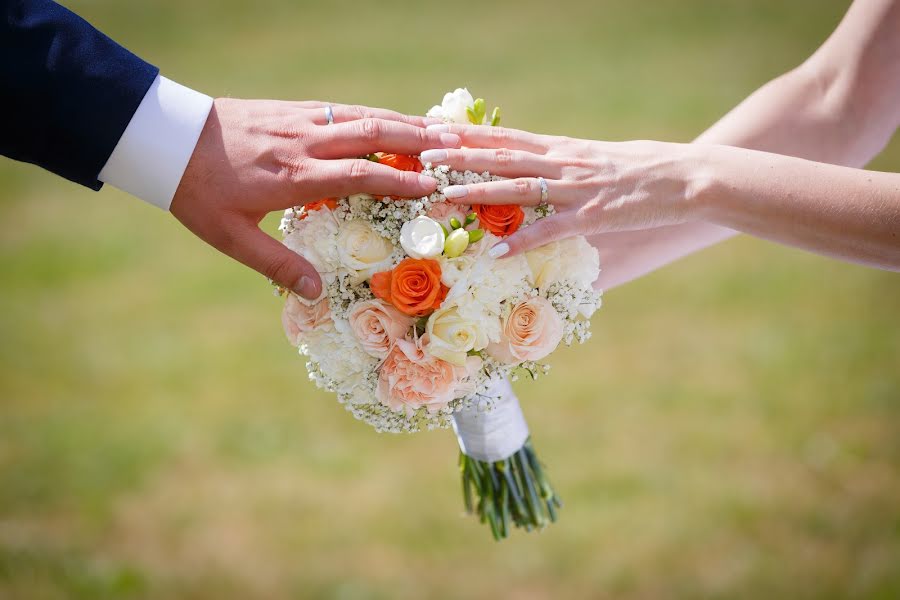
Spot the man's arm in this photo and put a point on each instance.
(67, 91)
(841, 106)
(78, 104)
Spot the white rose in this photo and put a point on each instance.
(422, 238)
(362, 249)
(453, 108)
(451, 336)
(572, 259)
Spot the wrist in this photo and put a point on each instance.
(702, 175)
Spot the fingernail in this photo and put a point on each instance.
(498, 250)
(307, 288)
(439, 127)
(428, 181)
(456, 191)
(433, 156)
(450, 139)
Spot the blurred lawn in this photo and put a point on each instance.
(732, 431)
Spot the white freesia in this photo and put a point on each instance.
(453, 108)
(362, 249)
(451, 336)
(422, 237)
(572, 259)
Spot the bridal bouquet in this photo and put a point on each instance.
(418, 327)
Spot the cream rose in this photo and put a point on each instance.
(531, 331)
(377, 326)
(299, 318)
(422, 238)
(572, 259)
(411, 378)
(451, 336)
(362, 249)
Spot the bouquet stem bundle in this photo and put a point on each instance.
(513, 491)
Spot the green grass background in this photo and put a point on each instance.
(731, 431)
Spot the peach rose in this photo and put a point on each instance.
(299, 318)
(500, 219)
(442, 211)
(413, 286)
(532, 331)
(378, 325)
(410, 378)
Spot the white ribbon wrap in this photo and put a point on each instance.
(494, 434)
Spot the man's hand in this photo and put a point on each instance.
(257, 156)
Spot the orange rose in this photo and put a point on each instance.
(401, 162)
(414, 286)
(500, 219)
(329, 203)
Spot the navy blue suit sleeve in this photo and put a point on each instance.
(67, 92)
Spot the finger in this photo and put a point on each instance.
(500, 161)
(266, 255)
(541, 232)
(354, 176)
(525, 191)
(483, 136)
(344, 113)
(364, 136)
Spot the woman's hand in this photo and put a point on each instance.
(594, 186)
(257, 156)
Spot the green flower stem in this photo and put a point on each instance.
(511, 491)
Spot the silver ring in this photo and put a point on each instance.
(545, 193)
(329, 114)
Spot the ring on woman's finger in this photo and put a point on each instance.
(329, 114)
(545, 193)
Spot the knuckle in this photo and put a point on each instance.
(498, 135)
(359, 170)
(294, 170)
(370, 129)
(503, 157)
(523, 186)
(277, 267)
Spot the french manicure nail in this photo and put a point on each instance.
(307, 288)
(450, 139)
(439, 127)
(433, 155)
(456, 191)
(498, 250)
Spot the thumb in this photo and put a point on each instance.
(539, 233)
(268, 256)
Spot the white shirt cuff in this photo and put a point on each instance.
(155, 148)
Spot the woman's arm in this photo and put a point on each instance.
(841, 106)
